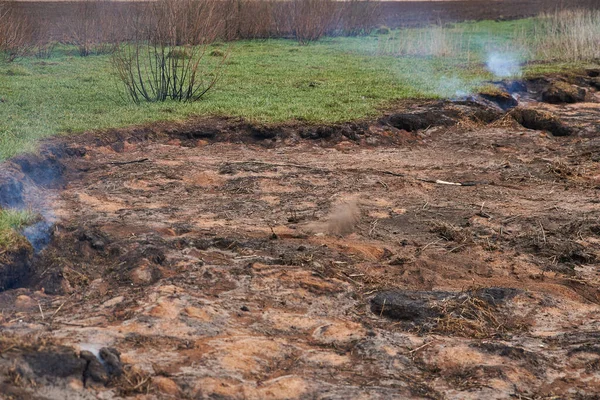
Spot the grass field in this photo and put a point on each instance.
(334, 80)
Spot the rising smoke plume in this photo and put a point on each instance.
(504, 65)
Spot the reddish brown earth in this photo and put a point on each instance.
(226, 261)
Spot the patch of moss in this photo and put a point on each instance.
(383, 30)
(491, 90)
(16, 71)
(11, 221)
(216, 53)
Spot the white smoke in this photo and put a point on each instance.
(504, 65)
(40, 233)
(452, 87)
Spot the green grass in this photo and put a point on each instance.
(272, 81)
(11, 221)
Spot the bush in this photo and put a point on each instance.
(359, 17)
(249, 19)
(217, 53)
(165, 59)
(44, 50)
(16, 32)
(311, 19)
(94, 28)
(305, 20)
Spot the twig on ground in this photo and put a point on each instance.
(423, 346)
(429, 244)
(141, 160)
(543, 232)
(383, 184)
(373, 226)
(440, 182)
(456, 248)
(61, 306)
(507, 220)
(382, 307)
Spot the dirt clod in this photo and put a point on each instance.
(165, 385)
(44, 169)
(15, 265)
(503, 99)
(595, 83)
(445, 114)
(559, 92)
(24, 303)
(541, 120)
(593, 72)
(112, 360)
(94, 371)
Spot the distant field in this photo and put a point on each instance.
(411, 13)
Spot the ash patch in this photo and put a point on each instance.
(60, 362)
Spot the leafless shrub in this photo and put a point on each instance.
(311, 19)
(359, 17)
(166, 58)
(305, 20)
(16, 32)
(44, 49)
(94, 28)
(259, 18)
(281, 19)
(249, 19)
(183, 22)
